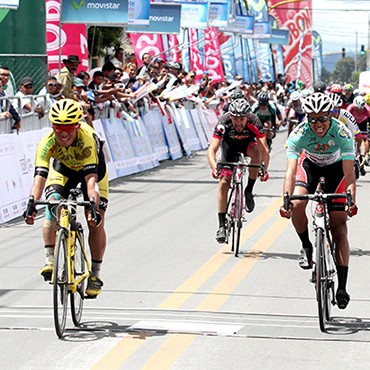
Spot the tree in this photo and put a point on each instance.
(343, 70)
(101, 38)
(355, 78)
(325, 75)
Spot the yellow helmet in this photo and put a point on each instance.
(65, 112)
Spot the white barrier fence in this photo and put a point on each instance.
(131, 146)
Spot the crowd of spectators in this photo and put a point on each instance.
(116, 84)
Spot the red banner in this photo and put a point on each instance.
(196, 63)
(73, 39)
(213, 59)
(174, 53)
(146, 43)
(291, 18)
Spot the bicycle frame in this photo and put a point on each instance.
(65, 224)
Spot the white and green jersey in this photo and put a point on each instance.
(336, 145)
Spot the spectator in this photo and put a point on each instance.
(5, 77)
(10, 112)
(85, 77)
(67, 75)
(158, 62)
(117, 60)
(97, 86)
(190, 78)
(143, 70)
(49, 92)
(78, 90)
(108, 69)
(25, 90)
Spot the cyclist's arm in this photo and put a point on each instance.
(212, 150)
(38, 186)
(263, 147)
(349, 177)
(91, 184)
(290, 173)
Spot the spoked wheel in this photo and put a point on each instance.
(77, 299)
(230, 219)
(60, 283)
(237, 219)
(323, 285)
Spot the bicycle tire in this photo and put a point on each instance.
(322, 283)
(238, 223)
(77, 299)
(229, 218)
(60, 283)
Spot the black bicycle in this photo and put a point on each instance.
(234, 213)
(325, 262)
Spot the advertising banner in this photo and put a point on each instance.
(259, 10)
(102, 12)
(196, 62)
(175, 54)
(9, 4)
(317, 51)
(73, 39)
(219, 14)
(184, 39)
(265, 62)
(191, 134)
(239, 66)
(194, 15)
(176, 119)
(228, 58)
(246, 60)
(213, 59)
(253, 69)
(278, 37)
(172, 138)
(291, 18)
(138, 13)
(261, 30)
(164, 19)
(146, 43)
(243, 24)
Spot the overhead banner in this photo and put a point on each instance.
(243, 24)
(278, 37)
(9, 4)
(261, 30)
(219, 14)
(164, 19)
(194, 15)
(73, 39)
(291, 18)
(102, 12)
(138, 13)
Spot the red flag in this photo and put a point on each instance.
(213, 56)
(175, 54)
(195, 58)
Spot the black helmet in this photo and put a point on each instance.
(239, 108)
(319, 86)
(263, 98)
(237, 94)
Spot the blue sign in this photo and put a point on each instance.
(243, 24)
(218, 14)
(164, 18)
(9, 4)
(279, 37)
(261, 30)
(194, 15)
(138, 12)
(107, 12)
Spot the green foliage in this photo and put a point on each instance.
(325, 75)
(343, 70)
(355, 78)
(100, 38)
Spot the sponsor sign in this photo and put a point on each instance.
(106, 12)
(9, 4)
(218, 14)
(164, 19)
(278, 37)
(261, 30)
(243, 24)
(194, 15)
(138, 12)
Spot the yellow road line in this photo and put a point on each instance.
(121, 351)
(184, 291)
(175, 345)
(128, 345)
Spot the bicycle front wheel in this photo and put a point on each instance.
(230, 218)
(60, 283)
(77, 299)
(322, 282)
(238, 223)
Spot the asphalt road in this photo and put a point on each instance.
(175, 299)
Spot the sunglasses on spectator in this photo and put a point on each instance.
(335, 111)
(66, 128)
(50, 84)
(319, 119)
(5, 74)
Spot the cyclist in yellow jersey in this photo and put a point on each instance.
(78, 158)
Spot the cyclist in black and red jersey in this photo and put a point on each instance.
(237, 131)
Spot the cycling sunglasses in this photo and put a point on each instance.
(50, 84)
(319, 119)
(66, 128)
(335, 111)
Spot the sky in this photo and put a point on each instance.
(337, 22)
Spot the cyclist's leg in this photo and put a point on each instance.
(254, 154)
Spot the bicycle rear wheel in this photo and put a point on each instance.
(77, 299)
(230, 218)
(60, 283)
(237, 219)
(322, 283)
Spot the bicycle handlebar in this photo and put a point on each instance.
(261, 166)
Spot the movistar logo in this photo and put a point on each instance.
(76, 6)
(317, 39)
(257, 5)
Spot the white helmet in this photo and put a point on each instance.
(337, 99)
(359, 102)
(317, 103)
(295, 95)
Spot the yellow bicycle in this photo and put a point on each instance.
(71, 266)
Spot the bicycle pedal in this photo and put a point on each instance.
(243, 219)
